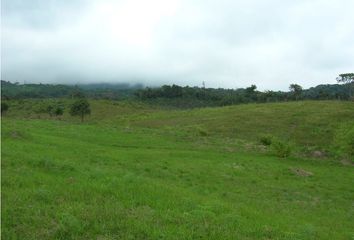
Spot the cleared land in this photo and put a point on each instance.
(136, 172)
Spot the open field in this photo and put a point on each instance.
(307, 125)
(133, 171)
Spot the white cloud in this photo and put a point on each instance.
(224, 43)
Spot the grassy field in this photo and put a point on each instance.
(133, 171)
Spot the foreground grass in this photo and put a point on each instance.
(62, 180)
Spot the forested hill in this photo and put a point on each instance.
(99, 91)
(174, 95)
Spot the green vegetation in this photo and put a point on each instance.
(133, 171)
(306, 125)
(4, 107)
(296, 90)
(56, 109)
(80, 107)
(348, 80)
(266, 140)
(98, 91)
(177, 96)
(16, 91)
(344, 140)
(281, 149)
(191, 97)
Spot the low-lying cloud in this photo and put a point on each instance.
(224, 43)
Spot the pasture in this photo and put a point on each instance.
(134, 171)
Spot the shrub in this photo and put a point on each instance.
(281, 149)
(49, 109)
(39, 109)
(4, 107)
(266, 140)
(202, 132)
(52, 108)
(58, 111)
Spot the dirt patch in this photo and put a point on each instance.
(70, 180)
(347, 162)
(141, 212)
(262, 148)
(16, 134)
(235, 166)
(230, 149)
(301, 172)
(318, 154)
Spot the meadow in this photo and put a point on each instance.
(136, 171)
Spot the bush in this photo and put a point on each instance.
(4, 107)
(49, 109)
(52, 108)
(266, 140)
(202, 132)
(281, 149)
(344, 140)
(40, 108)
(58, 111)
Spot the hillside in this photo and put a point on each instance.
(307, 124)
(133, 171)
(40, 91)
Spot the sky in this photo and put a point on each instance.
(224, 43)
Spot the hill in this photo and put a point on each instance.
(304, 123)
(95, 91)
(133, 171)
(308, 125)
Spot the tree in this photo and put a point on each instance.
(251, 93)
(80, 107)
(296, 90)
(347, 78)
(50, 109)
(173, 91)
(58, 111)
(4, 108)
(251, 89)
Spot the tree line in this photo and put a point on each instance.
(16, 90)
(198, 97)
(178, 96)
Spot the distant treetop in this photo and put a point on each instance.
(345, 78)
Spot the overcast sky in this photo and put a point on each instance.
(226, 43)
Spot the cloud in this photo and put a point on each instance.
(224, 43)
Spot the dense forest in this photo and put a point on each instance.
(96, 91)
(175, 95)
(195, 96)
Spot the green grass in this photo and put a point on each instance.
(132, 172)
(306, 124)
